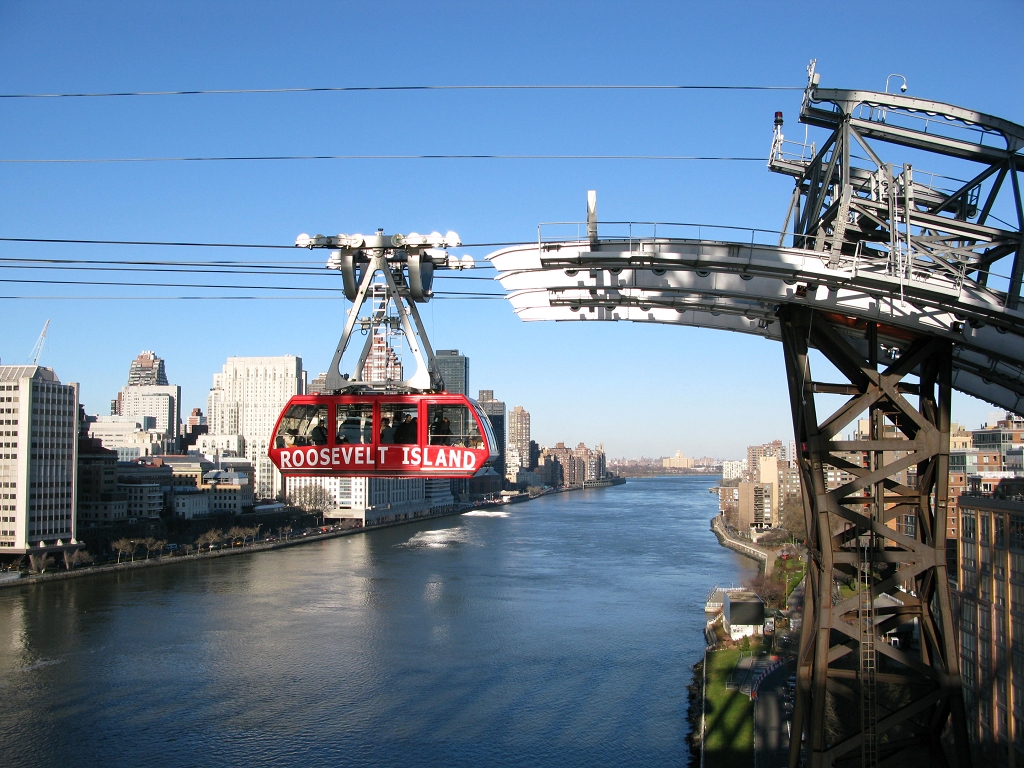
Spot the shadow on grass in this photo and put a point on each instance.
(728, 716)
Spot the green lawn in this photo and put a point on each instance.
(729, 716)
(792, 571)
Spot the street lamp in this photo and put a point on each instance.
(903, 88)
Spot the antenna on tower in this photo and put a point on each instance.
(37, 350)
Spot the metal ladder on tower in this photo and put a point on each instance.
(868, 670)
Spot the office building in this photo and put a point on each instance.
(132, 437)
(196, 424)
(144, 500)
(100, 502)
(246, 399)
(454, 369)
(38, 459)
(160, 402)
(495, 411)
(220, 445)
(230, 492)
(318, 386)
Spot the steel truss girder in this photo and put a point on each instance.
(909, 699)
(846, 210)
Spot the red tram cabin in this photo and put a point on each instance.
(375, 435)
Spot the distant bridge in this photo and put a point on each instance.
(904, 282)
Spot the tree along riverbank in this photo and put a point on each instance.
(260, 546)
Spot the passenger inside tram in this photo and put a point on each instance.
(302, 425)
(355, 423)
(453, 425)
(402, 421)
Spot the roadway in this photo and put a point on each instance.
(772, 712)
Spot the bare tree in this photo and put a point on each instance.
(793, 519)
(236, 532)
(39, 563)
(285, 531)
(151, 544)
(209, 538)
(78, 557)
(771, 589)
(312, 498)
(125, 547)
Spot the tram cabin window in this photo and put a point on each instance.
(453, 425)
(398, 423)
(303, 425)
(355, 423)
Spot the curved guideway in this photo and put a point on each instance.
(556, 632)
(740, 286)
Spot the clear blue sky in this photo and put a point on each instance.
(639, 389)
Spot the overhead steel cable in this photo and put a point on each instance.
(181, 244)
(197, 268)
(339, 289)
(274, 158)
(445, 296)
(385, 88)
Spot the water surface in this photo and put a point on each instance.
(558, 632)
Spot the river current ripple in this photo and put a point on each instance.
(559, 632)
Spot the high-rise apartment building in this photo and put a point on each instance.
(246, 399)
(569, 466)
(147, 369)
(734, 470)
(756, 452)
(519, 436)
(382, 363)
(988, 597)
(454, 369)
(495, 411)
(755, 505)
(38, 458)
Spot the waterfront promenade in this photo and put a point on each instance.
(743, 546)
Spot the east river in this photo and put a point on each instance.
(557, 632)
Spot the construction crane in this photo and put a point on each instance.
(37, 350)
